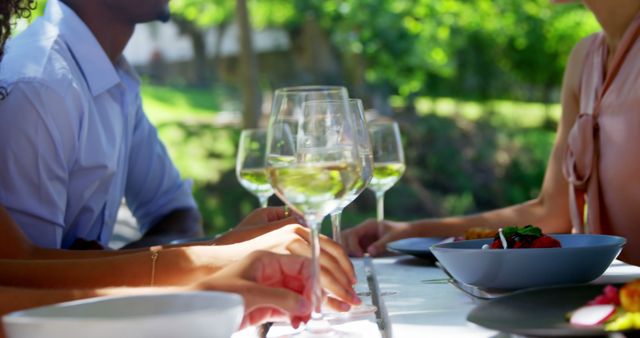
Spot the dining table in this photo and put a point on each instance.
(416, 298)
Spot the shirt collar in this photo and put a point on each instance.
(98, 70)
(127, 68)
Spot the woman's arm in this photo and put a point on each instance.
(550, 210)
(25, 264)
(274, 287)
(15, 245)
(177, 266)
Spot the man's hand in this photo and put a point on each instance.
(259, 222)
(263, 216)
(365, 237)
(274, 287)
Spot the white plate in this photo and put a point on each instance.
(540, 312)
(187, 314)
(417, 246)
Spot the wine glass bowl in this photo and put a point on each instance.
(385, 175)
(314, 187)
(388, 160)
(250, 164)
(288, 101)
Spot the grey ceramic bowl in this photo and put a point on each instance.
(581, 259)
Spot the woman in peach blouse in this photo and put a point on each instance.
(594, 161)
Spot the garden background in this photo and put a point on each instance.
(474, 85)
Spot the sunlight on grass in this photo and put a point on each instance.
(163, 104)
(202, 152)
(503, 112)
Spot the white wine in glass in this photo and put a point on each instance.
(250, 164)
(312, 163)
(388, 161)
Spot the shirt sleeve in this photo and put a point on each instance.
(35, 150)
(154, 187)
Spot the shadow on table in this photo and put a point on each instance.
(414, 261)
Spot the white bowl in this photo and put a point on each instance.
(582, 258)
(187, 314)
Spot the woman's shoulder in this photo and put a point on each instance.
(575, 64)
(581, 48)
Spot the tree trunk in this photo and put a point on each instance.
(202, 70)
(222, 29)
(202, 73)
(248, 69)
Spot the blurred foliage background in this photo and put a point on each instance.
(474, 85)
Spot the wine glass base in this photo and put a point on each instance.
(356, 312)
(331, 333)
(321, 329)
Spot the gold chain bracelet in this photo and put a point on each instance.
(155, 251)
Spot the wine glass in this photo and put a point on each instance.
(353, 107)
(388, 161)
(312, 162)
(250, 164)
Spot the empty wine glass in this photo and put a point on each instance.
(250, 164)
(312, 161)
(388, 161)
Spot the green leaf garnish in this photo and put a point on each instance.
(527, 231)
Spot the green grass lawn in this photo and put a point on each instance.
(165, 104)
(515, 114)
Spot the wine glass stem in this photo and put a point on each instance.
(335, 225)
(317, 324)
(380, 211)
(264, 201)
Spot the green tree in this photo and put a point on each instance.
(411, 45)
(538, 40)
(193, 15)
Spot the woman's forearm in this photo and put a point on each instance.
(15, 245)
(171, 267)
(544, 214)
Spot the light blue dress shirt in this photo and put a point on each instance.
(74, 138)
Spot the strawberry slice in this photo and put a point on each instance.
(545, 242)
(608, 296)
(591, 315)
(496, 244)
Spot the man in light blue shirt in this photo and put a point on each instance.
(73, 136)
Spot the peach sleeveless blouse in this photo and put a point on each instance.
(602, 163)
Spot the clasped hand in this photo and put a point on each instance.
(269, 230)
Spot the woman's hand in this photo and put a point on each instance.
(337, 274)
(274, 287)
(365, 237)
